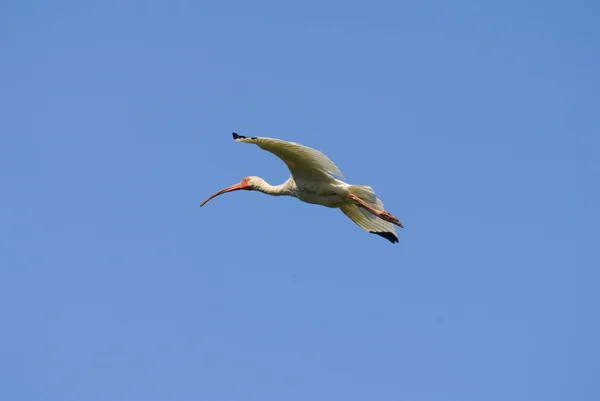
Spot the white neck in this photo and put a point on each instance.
(288, 188)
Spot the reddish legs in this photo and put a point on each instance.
(379, 213)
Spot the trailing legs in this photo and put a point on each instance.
(382, 214)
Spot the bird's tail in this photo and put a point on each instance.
(369, 222)
(365, 219)
(366, 193)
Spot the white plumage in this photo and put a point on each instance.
(300, 159)
(313, 180)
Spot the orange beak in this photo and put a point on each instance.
(242, 185)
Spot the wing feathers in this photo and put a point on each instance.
(369, 222)
(300, 159)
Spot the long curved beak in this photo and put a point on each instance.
(232, 188)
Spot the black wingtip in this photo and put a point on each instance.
(389, 236)
(236, 136)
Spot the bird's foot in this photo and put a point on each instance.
(385, 215)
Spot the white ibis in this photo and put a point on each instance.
(312, 180)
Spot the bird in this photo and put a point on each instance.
(313, 180)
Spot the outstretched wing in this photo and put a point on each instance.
(369, 222)
(301, 160)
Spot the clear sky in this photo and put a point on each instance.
(476, 122)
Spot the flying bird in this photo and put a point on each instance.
(313, 181)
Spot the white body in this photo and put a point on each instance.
(330, 194)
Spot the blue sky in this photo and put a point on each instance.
(476, 122)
